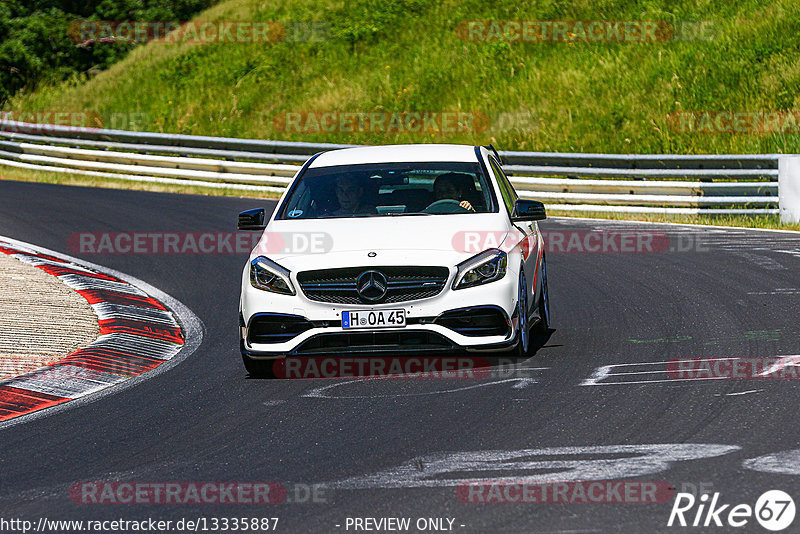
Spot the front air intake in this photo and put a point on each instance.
(479, 321)
(275, 328)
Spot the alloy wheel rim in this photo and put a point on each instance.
(523, 319)
(545, 296)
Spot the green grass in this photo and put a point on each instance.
(405, 55)
(760, 221)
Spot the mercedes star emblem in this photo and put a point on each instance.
(371, 286)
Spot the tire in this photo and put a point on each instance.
(524, 338)
(543, 325)
(258, 368)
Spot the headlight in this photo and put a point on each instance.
(267, 275)
(486, 267)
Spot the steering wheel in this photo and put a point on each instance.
(447, 205)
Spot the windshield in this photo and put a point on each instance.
(389, 189)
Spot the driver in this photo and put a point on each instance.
(451, 186)
(350, 193)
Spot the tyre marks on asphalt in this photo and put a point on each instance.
(528, 377)
(137, 334)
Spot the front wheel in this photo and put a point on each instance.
(523, 343)
(544, 301)
(258, 368)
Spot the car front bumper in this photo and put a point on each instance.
(421, 335)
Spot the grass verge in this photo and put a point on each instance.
(397, 56)
(28, 175)
(745, 221)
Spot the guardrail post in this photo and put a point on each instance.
(789, 188)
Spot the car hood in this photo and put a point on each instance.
(405, 240)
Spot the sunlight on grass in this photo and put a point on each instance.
(407, 56)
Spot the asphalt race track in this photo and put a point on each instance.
(400, 448)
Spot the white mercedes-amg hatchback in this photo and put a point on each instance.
(421, 249)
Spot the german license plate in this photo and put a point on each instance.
(373, 319)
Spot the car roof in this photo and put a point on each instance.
(396, 153)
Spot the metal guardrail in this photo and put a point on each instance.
(741, 184)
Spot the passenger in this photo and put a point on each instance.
(451, 186)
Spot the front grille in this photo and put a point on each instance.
(276, 328)
(404, 283)
(476, 322)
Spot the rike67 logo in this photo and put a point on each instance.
(774, 510)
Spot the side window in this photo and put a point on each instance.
(509, 196)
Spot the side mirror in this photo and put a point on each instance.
(252, 219)
(528, 210)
